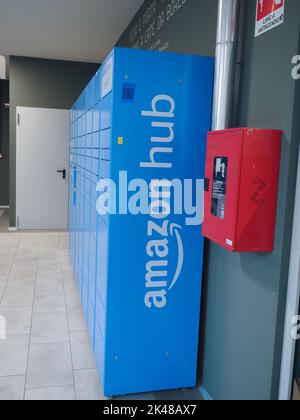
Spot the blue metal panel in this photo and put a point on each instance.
(140, 346)
(96, 117)
(97, 87)
(106, 112)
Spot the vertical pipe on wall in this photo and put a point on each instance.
(225, 64)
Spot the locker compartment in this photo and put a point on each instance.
(105, 154)
(89, 152)
(96, 153)
(81, 181)
(78, 268)
(102, 257)
(84, 293)
(101, 313)
(79, 127)
(81, 142)
(99, 351)
(105, 169)
(83, 124)
(92, 282)
(94, 193)
(82, 103)
(82, 161)
(88, 164)
(93, 219)
(105, 139)
(91, 324)
(95, 166)
(76, 129)
(86, 242)
(95, 179)
(97, 87)
(106, 112)
(96, 117)
(88, 186)
(89, 141)
(93, 249)
(96, 140)
(89, 122)
(90, 95)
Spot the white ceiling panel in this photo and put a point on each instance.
(80, 30)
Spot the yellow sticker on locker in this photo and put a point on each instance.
(120, 140)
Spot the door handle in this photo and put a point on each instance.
(63, 172)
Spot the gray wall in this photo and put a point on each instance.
(4, 143)
(190, 29)
(244, 294)
(43, 84)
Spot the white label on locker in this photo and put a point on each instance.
(107, 78)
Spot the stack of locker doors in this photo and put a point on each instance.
(84, 164)
(143, 117)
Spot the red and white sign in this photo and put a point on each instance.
(270, 13)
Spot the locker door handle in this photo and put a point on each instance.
(63, 172)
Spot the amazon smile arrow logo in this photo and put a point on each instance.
(175, 230)
(161, 238)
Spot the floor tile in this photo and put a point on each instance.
(68, 278)
(43, 309)
(46, 254)
(3, 281)
(22, 273)
(67, 268)
(21, 281)
(7, 252)
(66, 393)
(13, 355)
(10, 243)
(49, 365)
(72, 300)
(50, 298)
(82, 354)
(49, 327)
(18, 320)
(14, 296)
(12, 388)
(6, 259)
(87, 385)
(27, 253)
(4, 271)
(48, 281)
(49, 264)
(25, 263)
(76, 320)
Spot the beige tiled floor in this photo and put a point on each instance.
(47, 354)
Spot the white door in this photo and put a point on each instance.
(42, 152)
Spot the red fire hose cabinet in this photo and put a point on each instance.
(241, 188)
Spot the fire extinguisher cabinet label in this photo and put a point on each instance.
(219, 187)
(269, 15)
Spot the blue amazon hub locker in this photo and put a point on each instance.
(138, 144)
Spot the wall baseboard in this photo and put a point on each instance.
(205, 394)
(4, 207)
(12, 229)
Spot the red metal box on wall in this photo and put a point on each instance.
(241, 188)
